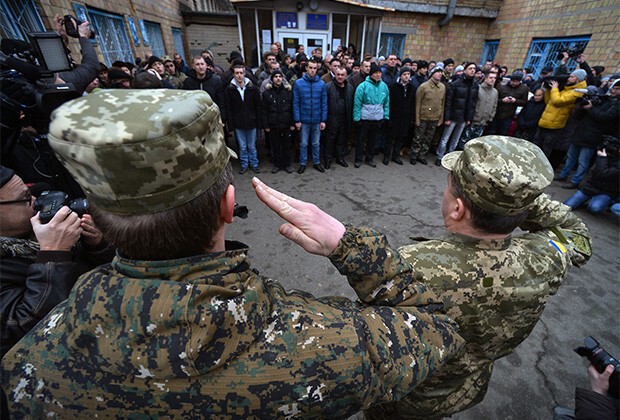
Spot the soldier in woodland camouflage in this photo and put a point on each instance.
(179, 325)
(495, 285)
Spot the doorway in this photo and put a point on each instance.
(309, 40)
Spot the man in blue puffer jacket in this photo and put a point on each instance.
(310, 115)
(371, 106)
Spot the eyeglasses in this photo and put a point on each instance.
(21, 200)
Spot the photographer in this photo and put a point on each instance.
(603, 187)
(595, 117)
(84, 73)
(37, 275)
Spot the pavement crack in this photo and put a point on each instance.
(539, 357)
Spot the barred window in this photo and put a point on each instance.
(112, 36)
(392, 44)
(19, 17)
(489, 51)
(177, 36)
(156, 42)
(544, 52)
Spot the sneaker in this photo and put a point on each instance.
(242, 171)
(357, 164)
(302, 169)
(371, 162)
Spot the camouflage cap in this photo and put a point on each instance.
(141, 151)
(502, 175)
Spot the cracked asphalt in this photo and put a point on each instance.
(403, 202)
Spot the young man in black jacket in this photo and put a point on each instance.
(402, 116)
(339, 117)
(277, 117)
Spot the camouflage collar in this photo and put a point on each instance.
(473, 242)
(213, 268)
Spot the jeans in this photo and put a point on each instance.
(581, 156)
(310, 133)
(246, 137)
(449, 139)
(473, 131)
(598, 203)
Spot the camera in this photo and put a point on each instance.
(49, 202)
(572, 52)
(561, 79)
(72, 29)
(600, 359)
(590, 94)
(240, 211)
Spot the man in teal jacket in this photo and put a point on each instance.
(371, 106)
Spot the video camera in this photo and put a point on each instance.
(600, 359)
(572, 52)
(562, 79)
(49, 202)
(27, 81)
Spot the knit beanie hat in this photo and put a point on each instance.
(374, 67)
(580, 74)
(405, 69)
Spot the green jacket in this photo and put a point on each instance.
(371, 101)
(207, 336)
(496, 291)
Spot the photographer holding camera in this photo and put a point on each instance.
(595, 116)
(37, 275)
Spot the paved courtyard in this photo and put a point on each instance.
(403, 202)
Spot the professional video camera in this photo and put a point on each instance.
(590, 95)
(600, 359)
(572, 52)
(27, 81)
(49, 202)
(562, 79)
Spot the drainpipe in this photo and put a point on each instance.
(449, 14)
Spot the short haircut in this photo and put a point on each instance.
(146, 80)
(198, 57)
(486, 221)
(238, 66)
(180, 232)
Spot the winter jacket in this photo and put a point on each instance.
(82, 75)
(486, 106)
(333, 95)
(228, 76)
(429, 101)
(309, 100)
(389, 76)
(560, 104)
(356, 79)
(593, 123)
(35, 281)
(402, 108)
(371, 101)
(277, 106)
(527, 121)
(604, 178)
(507, 110)
(211, 83)
(242, 113)
(461, 99)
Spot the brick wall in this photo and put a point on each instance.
(520, 21)
(462, 39)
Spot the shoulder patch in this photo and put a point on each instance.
(558, 245)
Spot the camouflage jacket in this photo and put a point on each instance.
(206, 337)
(496, 291)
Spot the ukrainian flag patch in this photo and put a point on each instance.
(558, 245)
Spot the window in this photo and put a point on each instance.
(156, 42)
(544, 52)
(392, 44)
(18, 18)
(112, 36)
(177, 37)
(489, 51)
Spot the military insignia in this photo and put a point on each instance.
(558, 245)
(582, 244)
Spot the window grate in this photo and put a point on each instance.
(153, 31)
(112, 36)
(544, 52)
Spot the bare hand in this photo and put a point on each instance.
(587, 105)
(61, 233)
(292, 128)
(565, 58)
(447, 122)
(599, 382)
(602, 153)
(84, 29)
(267, 130)
(322, 126)
(90, 233)
(308, 226)
(438, 123)
(554, 84)
(298, 126)
(580, 58)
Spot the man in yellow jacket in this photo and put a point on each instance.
(560, 105)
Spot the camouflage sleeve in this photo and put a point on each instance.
(560, 222)
(378, 274)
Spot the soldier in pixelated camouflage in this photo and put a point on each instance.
(495, 283)
(179, 325)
